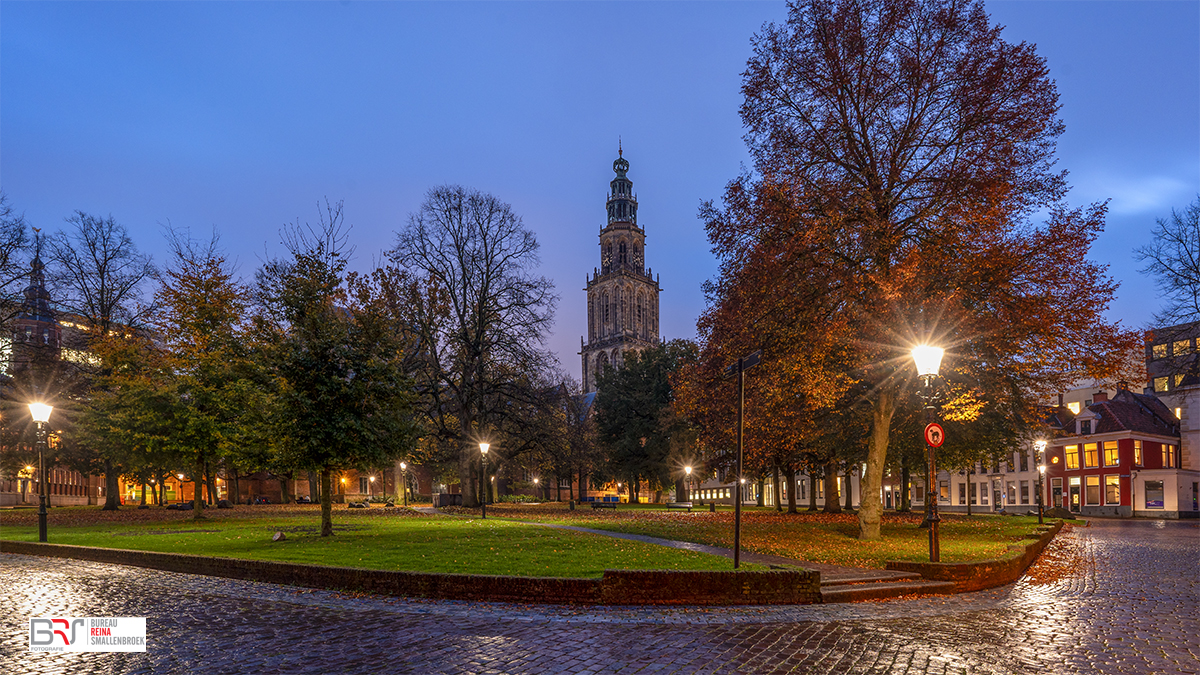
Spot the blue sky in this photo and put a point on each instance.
(243, 115)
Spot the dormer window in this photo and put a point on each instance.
(1085, 427)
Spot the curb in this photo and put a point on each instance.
(977, 576)
(616, 587)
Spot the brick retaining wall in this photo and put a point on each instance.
(616, 587)
(976, 576)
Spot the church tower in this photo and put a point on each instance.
(622, 294)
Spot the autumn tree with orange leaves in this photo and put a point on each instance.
(902, 150)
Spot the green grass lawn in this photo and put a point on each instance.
(813, 537)
(388, 539)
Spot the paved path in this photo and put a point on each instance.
(1126, 602)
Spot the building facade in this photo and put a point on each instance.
(622, 293)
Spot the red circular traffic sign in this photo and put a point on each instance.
(935, 435)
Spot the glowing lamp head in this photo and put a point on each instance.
(743, 481)
(403, 466)
(1040, 445)
(928, 359)
(40, 412)
(687, 470)
(535, 481)
(180, 476)
(372, 479)
(1042, 468)
(29, 468)
(483, 448)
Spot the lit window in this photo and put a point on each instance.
(1179, 413)
(1179, 379)
(1182, 347)
(1012, 492)
(1111, 457)
(1168, 456)
(1091, 456)
(1112, 490)
(1092, 489)
(1137, 453)
(1154, 494)
(1160, 351)
(1161, 383)
(944, 491)
(1074, 407)
(1072, 455)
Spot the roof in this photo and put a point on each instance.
(1126, 411)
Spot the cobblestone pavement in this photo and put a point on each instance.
(1117, 597)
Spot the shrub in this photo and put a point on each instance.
(517, 499)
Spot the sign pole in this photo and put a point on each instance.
(737, 485)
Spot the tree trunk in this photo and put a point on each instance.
(775, 483)
(833, 500)
(314, 487)
(235, 484)
(812, 489)
(681, 493)
(762, 488)
(870, 510)
(285, 496)
(790, 474)
(197, 496)
(210, 478)
(112, 487)
(636, 493)
(143, 493)
(905, 492)
(326, 504)
(849, 488)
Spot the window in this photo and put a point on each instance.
(983, 493)
(1160, 383)
(1159, 351)
(1112, 490)
(1091, 456)
(1072, 455)
(1024, 462)
(1012, 492)
(1137, 453)
(1024, 492)
(1167, 456)
(974, 492)
(1085, 427)
(1179, 413)
(1111, 457)
(944, 491)
(1092, 490)
(962, 493)
(1183, 347)
(1179, 378)
(362, 484)
(1154, 494)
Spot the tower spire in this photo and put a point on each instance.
(620, 153)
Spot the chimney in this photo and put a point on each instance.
(1099, 397)
(1060, 400)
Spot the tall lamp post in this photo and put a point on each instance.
(535, 488)
(483, 450)
(404, 473)
(739, 369)
(41, 414)
(687, 470)
(1040, 446)
(928, 359)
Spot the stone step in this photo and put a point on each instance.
(866, 576)
(880, 591)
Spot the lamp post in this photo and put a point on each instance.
(404, 473)
(41, 414)
(371, 487)
(483, 451)
(535, 487)
(687, 470)
(739, 369)
(928, 359)
(1040, 448)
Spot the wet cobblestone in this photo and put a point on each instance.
(1128, 606)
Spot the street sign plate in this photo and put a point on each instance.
(935, 435)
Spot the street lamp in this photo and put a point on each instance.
(928, 359)
(404, 472)
(371, 488)
(687, 470)
(1040, 448)
(41, 414)
(535, 487)
(483, 451)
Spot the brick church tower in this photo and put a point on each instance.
(622, 294)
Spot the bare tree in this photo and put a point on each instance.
(484, 327)
(99, 275)
(1173, 259)
(12, 240)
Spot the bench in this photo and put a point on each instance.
(604, 505)
(680, 505)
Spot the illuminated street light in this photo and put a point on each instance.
(928, 359)
(1040, 451)
(404, 472)
(41, 414)
(687, 470)
(535, 487)
(483, 451)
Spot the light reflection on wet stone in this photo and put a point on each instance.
(1133, 611)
